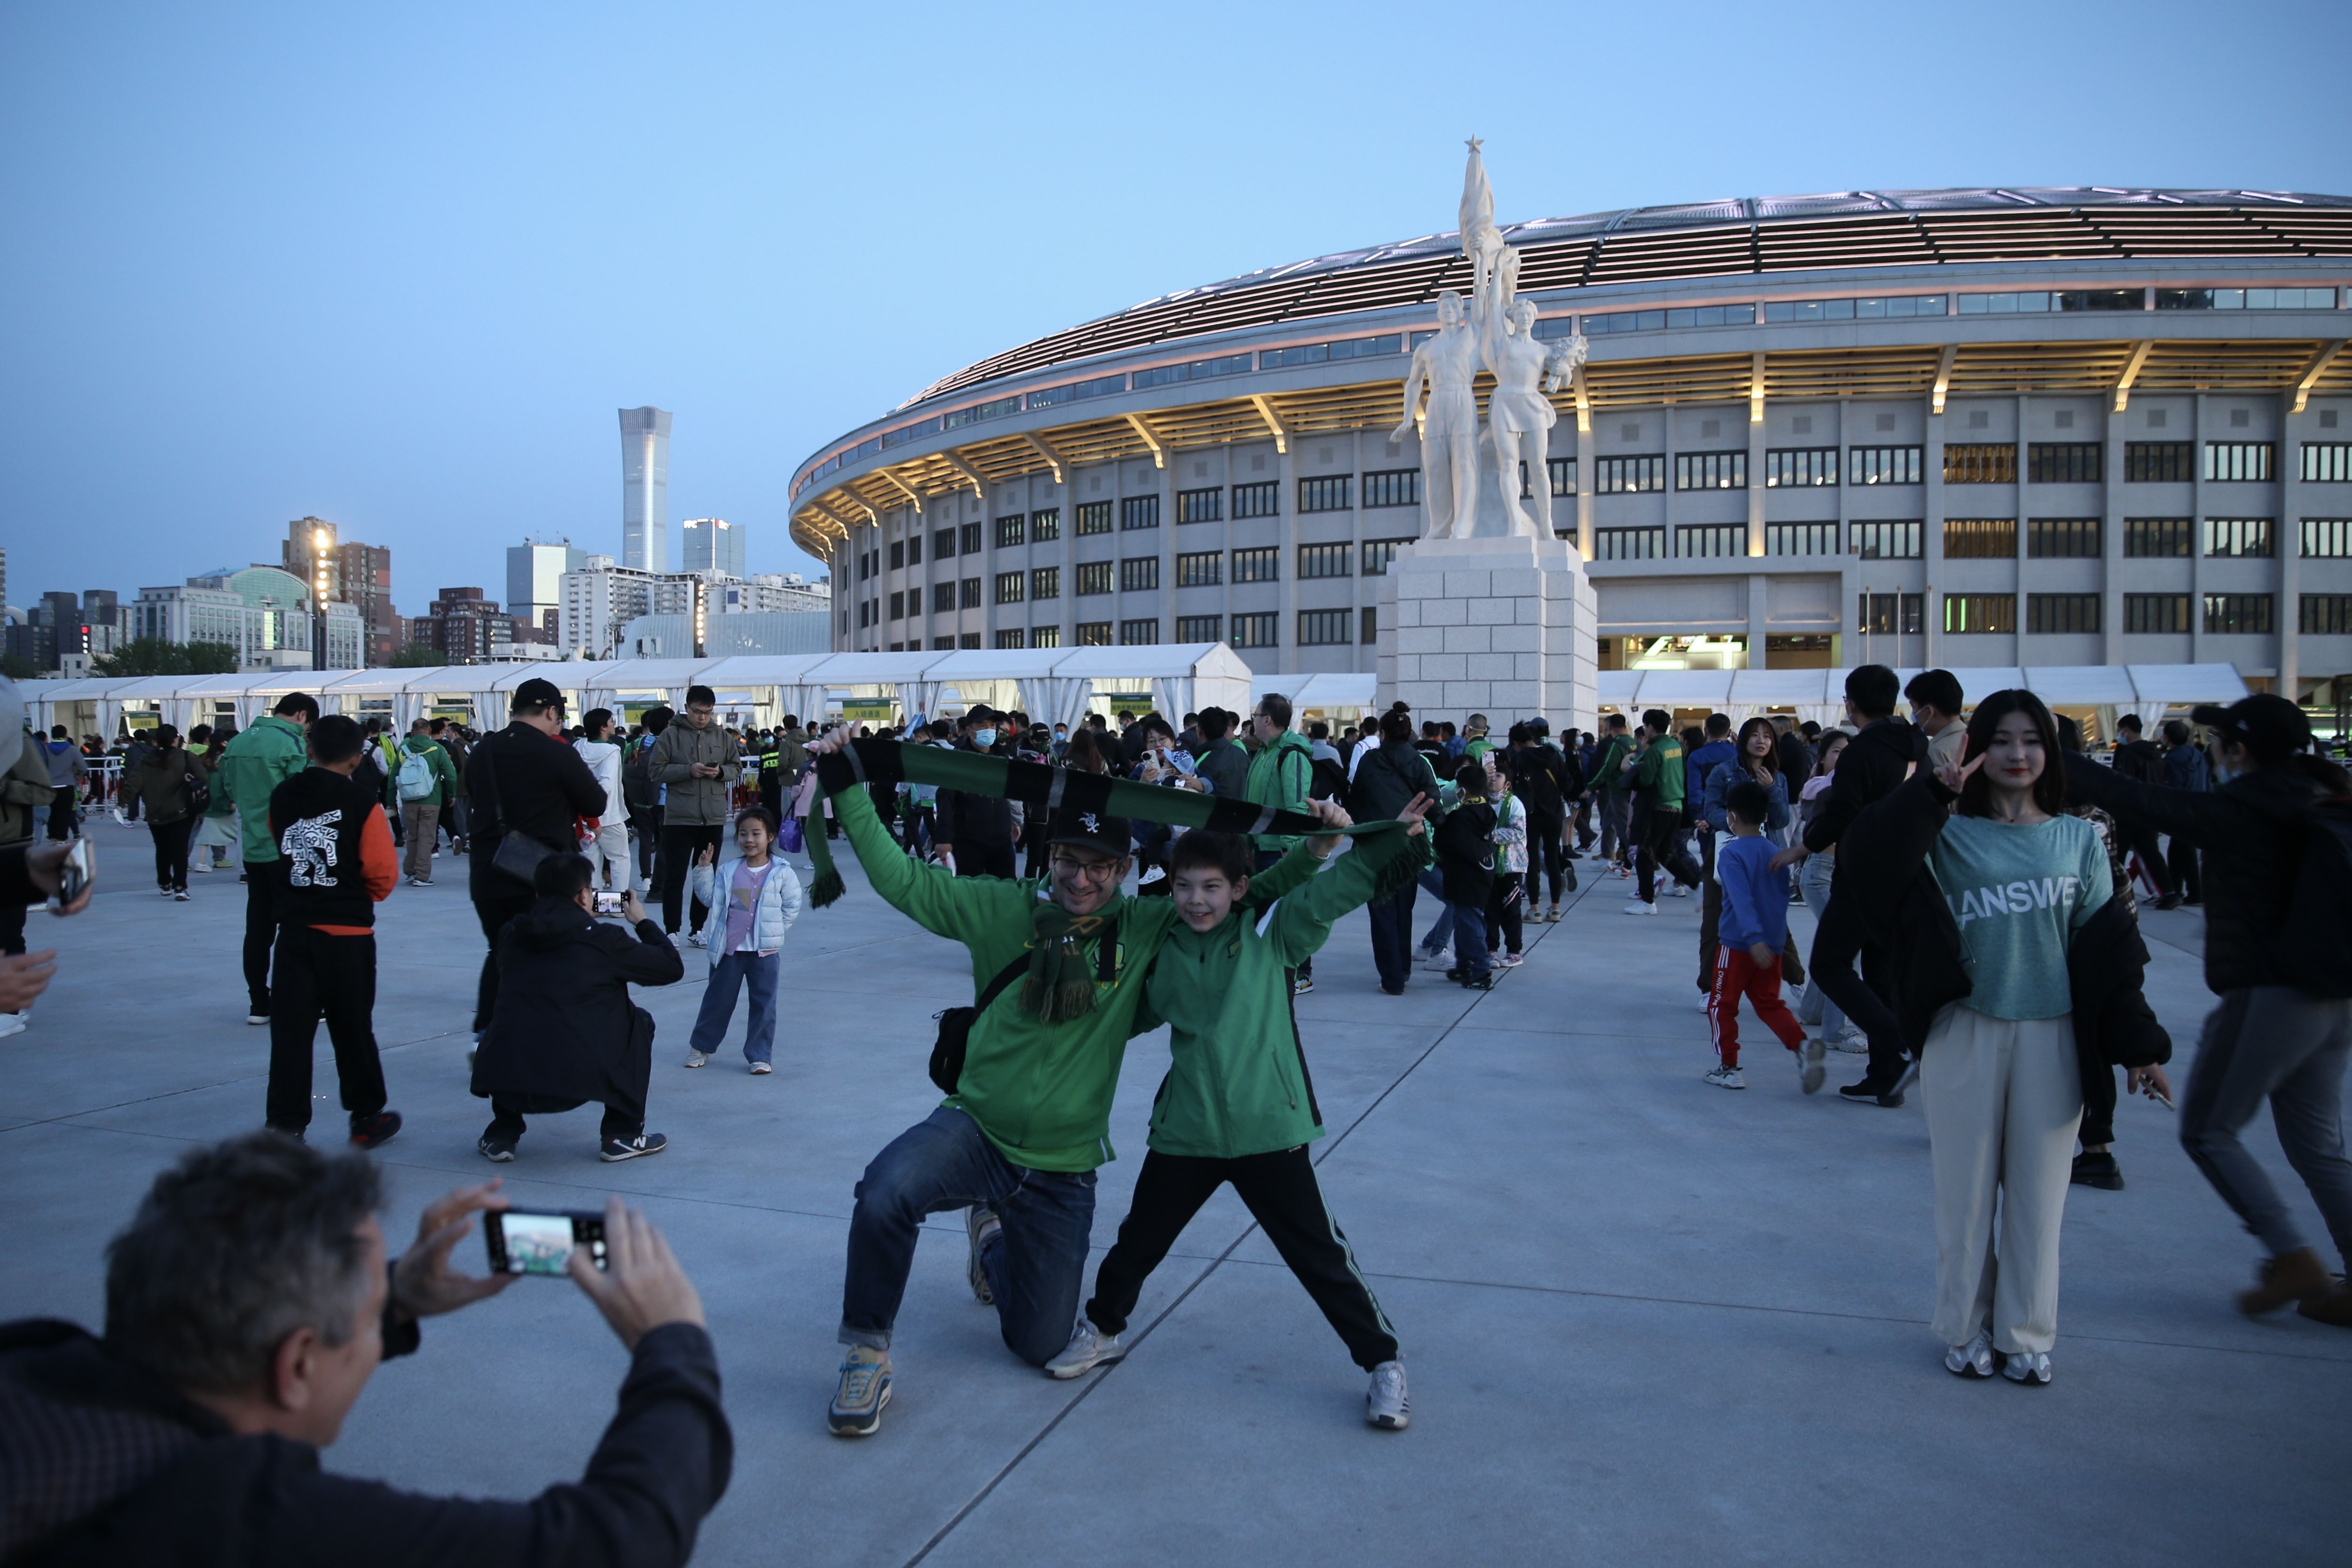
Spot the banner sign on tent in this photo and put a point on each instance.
(867, 710)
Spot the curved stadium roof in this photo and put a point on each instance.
(1744, 236)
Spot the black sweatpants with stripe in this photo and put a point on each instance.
(1287, 1202)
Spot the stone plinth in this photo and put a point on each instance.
(1499, 626)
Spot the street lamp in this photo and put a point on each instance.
(320, 538)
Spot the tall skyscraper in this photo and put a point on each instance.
(713, 544)
(645, 488)
(535, 570)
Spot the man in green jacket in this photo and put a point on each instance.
(1659, 786)
(420, 815)
(1061, 965)
(1279, 776)
(1609, 783)
(1238, 1105)
(256, 761)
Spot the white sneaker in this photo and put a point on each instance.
(2026, 1366)
(761, 1070)
(1638, 907)
(1680, 891)
(1726, 1078)
(1854, 1043)
(1508, 961)
(1385, 1405)
(1973, 1358)
(695, 1059)
(1150, 875)
(1089, 1348)
(1810, 1066)
(695, 940)
(14, 1023)
(1442, 959)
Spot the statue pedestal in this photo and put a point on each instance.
(1499, 626)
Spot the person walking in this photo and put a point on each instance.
(696, 763)
(1281, 776)
(1387, 778)
(255, 761)
(166, 786)
(1544, 781)
(1507, 903)
(642, 793)
(1609, 784)
(1754, 928)
(2142, 760)
(600, 747)
(2184, 768)
(422, 779)
(1815, 1009)
(753, 901)
(67, 770)
(1754, 758)
(1464, 842)
(1660, 779)
(528, 785)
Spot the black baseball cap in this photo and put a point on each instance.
(537, 693)
(2262, 723)
(1083, 829)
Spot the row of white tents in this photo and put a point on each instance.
(2112, 690)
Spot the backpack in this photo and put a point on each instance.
(1327, 780)
(2317, 930)
(417, 780)
(639, 787)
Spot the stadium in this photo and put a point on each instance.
(1968, 427)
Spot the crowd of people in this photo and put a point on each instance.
(1970, 872)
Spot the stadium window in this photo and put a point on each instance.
(971, 593)
(1139, 574)
(1892, 614)
(1892, 541)
(2149, 538)
(1370, 617)
(1139, 633)
(914, 550)
(1971, 612)
(1330, 493)
(1563, 475)
(942, 597)
(897, 607)
(2156, 613)
(2245, 298)
(1203, 569)
(1798, 538)
(1044, 527)
(942, 645)
(1711, 470)
(1979, 463)
(1254, 630)
(2064, 462)
(1325, 560)
(1318, 353)
(1200, 628)
(1702, 539)
(1094, 633)
(1258, 500)
(1628, 476)
(2326, 615)
(1011, 532)
(2235, 460)
(2160, 462)
(2326, 462)
(2049, 614)
(864, 614)
(1195, 370)
(943, 544)
(1140, 511)
(2237, 614)
(2004, 304)
(1200, 505)
(1378, 553)
(1009, 585)
(2063, 538)
(1094, 517)
(1883, 466)
(1044, 637)
(2326, 536)
(1629, 543)
(898, 554)
(1393, 487)
(1711, 316)
(1045, 582)
(1012, 637)
(2238, 536)
(1322, 628)
(1263, 564)
(1094, 577)
(1981, 538)
(1791, 467)
(972, 538)
(1623, 321)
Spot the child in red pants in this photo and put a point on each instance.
(1754, 930)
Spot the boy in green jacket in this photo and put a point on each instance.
(1237, 1105)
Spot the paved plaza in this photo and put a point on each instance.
(1646, 1320)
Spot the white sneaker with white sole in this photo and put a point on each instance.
(1385, 1402)
(1089, 1348)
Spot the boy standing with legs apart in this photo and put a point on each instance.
(1754, 929)
(1238, 1105)
(753, 902)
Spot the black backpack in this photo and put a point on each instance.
(638, 786)
(1327, 780)
(2318, 931)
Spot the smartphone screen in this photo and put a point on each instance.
(609, 903)
(79, 866)
(523, 1242)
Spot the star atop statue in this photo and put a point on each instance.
(1474, 143)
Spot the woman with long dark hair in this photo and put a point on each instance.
(1756, 759)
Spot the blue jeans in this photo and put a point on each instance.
(1441, 930)
(1470, 939)
(729, 974)
(1035, 1264)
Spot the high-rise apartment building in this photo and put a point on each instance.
(598, 600)
(463, 625)
(713, 544)
(336, 571)
(645, 489)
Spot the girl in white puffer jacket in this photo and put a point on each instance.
(753, 898)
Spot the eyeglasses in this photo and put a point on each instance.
(698, 712)
(1084, 871)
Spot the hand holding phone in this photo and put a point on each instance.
(639, 1286)
(609, 903)
(423, 1283)
(66, 872)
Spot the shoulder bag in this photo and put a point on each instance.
(955, 1023)
(518, 854)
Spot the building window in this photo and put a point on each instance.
(1322, 628)
(1798, 538)
(1137, 634)
(1012, 637)
(1258, 501)
(1200, 505)
(1094, 633)
(2156, 613)
(1711, 470)
(1979, 463)
(1629, 543)
(972, 538)
(1044, 527)
(1200, 628)
(2238, 612)
(864, 614)
(1203, 569)
(865, 566)
(942, 645)
(942, 597)
(1394, 487)
(1981, 538)
(2238, 536)
(1883, 466)
(1011, 532)
(1255, 631)
(1094, 577)
(1787, 467)
(1378, 553)
(1045, 582)
(1563, 475)
(1628, 476)
(1370, 618)
(1893, 615)
(1168, 375)
(1965, 613)
(898, 554)
(1140, 511)
(2065, 463)
(1712, 539)
(1325, 560)
(943, 544)
(2326, 462)
(2063, 538)
(2327, 614)
(2160, 462)
(1008, 587)
(1261, 565)
(914, 550)
(2328, 536)
(2148, 537)
(1094, 517)
(2245, 298)
(1044, 637)
(2048, 614)
(2239, 460)
(971, 592)
(1318, 353)
(1329, 493)
(1883, 541)
(1139, 574)
(897, 607)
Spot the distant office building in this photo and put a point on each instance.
(194, 612)
(334, 570)
(755, 631)
(535, 570)
(597, 600)
(645, 489)
(713, 544)
(461, 626)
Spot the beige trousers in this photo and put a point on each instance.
(2002, 1099)
(420, 822)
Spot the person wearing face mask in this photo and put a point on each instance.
(977, 833)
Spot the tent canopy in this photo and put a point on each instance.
(2152, 685)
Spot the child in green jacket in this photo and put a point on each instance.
(1237, 1105)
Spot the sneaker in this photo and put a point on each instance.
(1509, 961)
(14, 1023)
(1552, 915)
(293, 1132)
(2099, 1171)
(865, 1393)
(1858, 1093)
(375, 1131)
(978, 1224)
(1811, 1066)
(675, 939)
(1089, 1348)
(1385, 1405)
(2294, 1276)
(2169, 901)
(1639, 907)
(631, 1148)
(2028, 1367)
(420, 882)
(181, 894)
(256, 1016)
(165, 891)
(1680, 891)
(695, 1059)
(1852, 1041)
(1151, 874)
(1973, 1358)
(495, 1152)
(1442, 958)
(1301, 984)
(1726, 1078)
(761, 1069)
(695, 939)
(1482, 982)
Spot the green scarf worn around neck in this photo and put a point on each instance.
(1061, 984)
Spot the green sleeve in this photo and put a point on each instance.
(1292, 870)
(1645, 771)
(1303, 920)
(978, 912)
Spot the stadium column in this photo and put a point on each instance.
(1931, 533)
(2018, 568)
(1584, 485)
(2286, 545)
(1285, 564)
(2111, 537)
(1166, 594)
(1065, 607)
(2199, 410)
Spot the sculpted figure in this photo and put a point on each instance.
(1449, 441)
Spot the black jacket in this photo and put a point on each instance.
(1543, 780)
(1883, 863)
(1387, 778)
(564, 1025)
(1876, 760)
(126, 1471)
(1796, 760)
(2141, 760)
(542, 787)
(319, 818)
(977, 821)
(1466, 853)
(2251, 848)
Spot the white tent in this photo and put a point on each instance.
(1819, 694)
(786, 679)
(1344, 692)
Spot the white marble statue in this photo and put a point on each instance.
(1449, 436)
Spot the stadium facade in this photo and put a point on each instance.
(1981, 427)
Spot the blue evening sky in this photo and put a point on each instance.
(398, 265)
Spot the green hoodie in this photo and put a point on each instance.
(1613, 752)
(1661, 773)
(258, 760)
(1040, 1092)
(1237, 1080)
(1279, 776)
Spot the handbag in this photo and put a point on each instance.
(788, 836)
(518, 854)
(955, 1023)
(200, 795)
